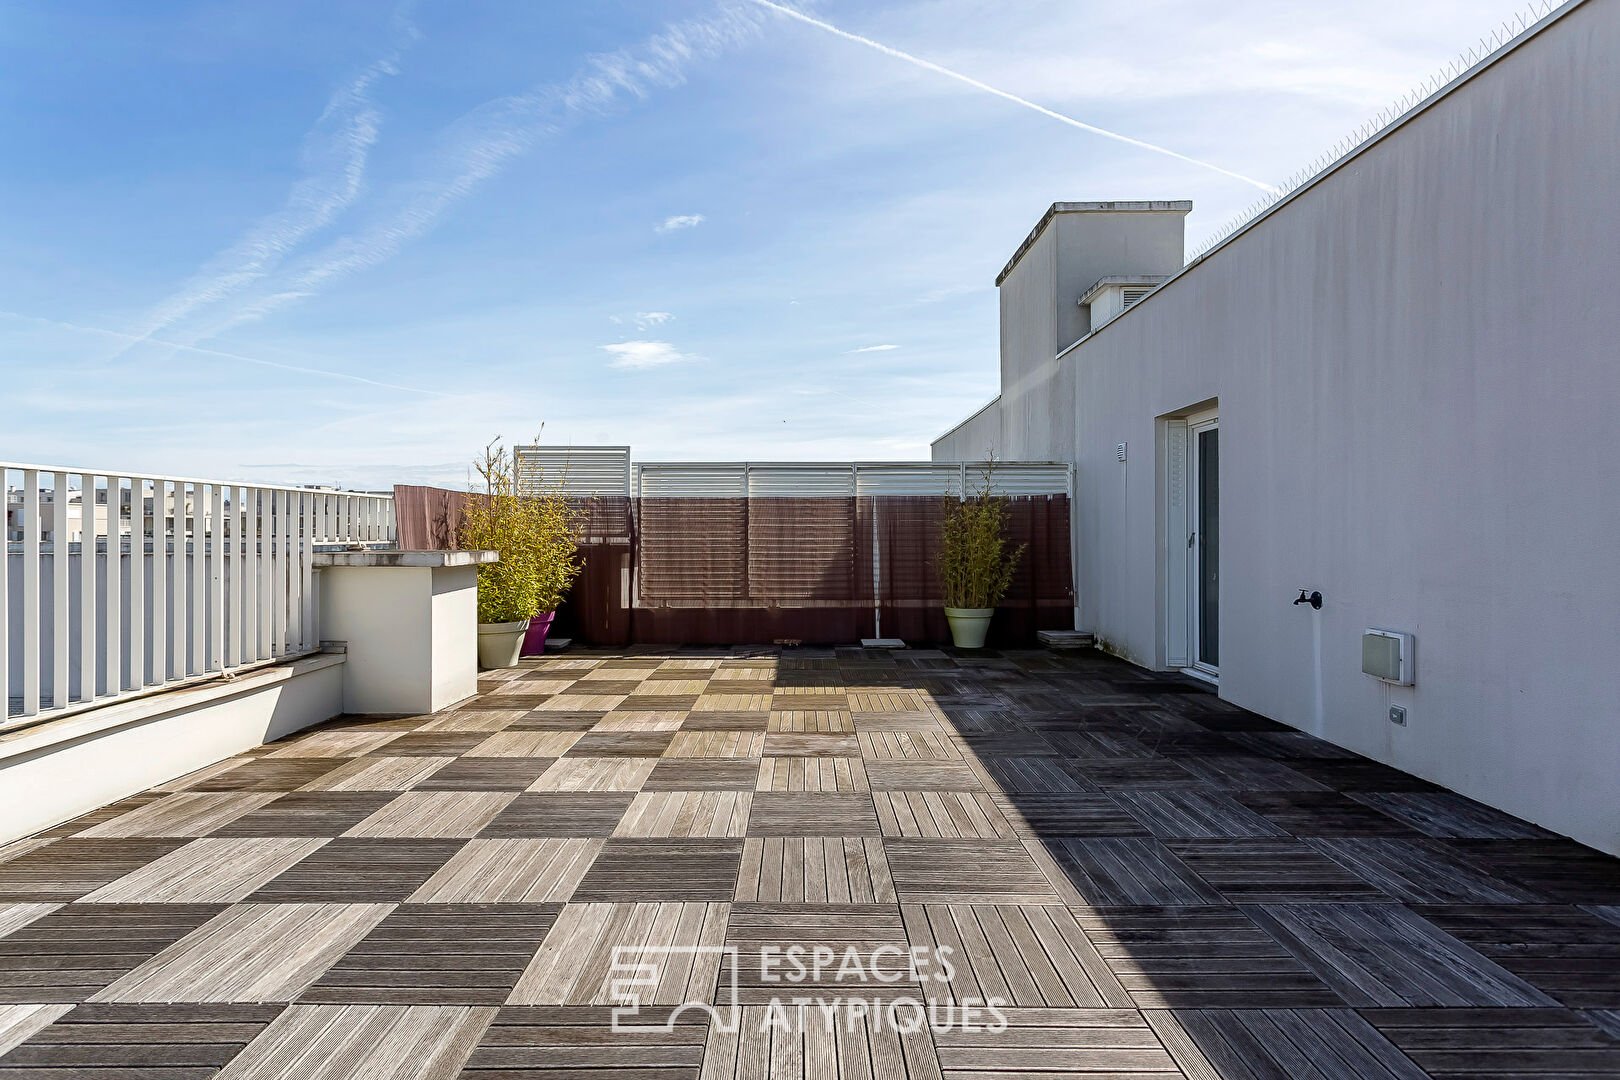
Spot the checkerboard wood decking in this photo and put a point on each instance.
(1151, 882)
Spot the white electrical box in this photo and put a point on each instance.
(1388, 655)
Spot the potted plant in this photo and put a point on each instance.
(539, 558)
(975, 565)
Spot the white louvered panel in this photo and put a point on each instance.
(808, 481)
(1014, 478)
(573, 470)
(922, 478)
(1132, 293)
(692, 481)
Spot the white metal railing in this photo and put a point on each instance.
(118, 584)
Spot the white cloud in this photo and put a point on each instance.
(875, 348)
(637, 355)
(643, 320)
(679, 221)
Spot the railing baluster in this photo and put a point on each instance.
(181, 609)
(266, 573)
(114, 665)
(249, 592)
(234, 654)
(60, 616)
(30, 593)
(278, 573)
(197, 641)
(137, 583)
(216, 575)
(308, 637)
(87, 588)
(160, 582)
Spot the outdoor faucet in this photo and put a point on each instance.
(1314, 599)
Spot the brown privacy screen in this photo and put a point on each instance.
(733, 570)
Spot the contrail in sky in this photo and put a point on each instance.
(929, 65)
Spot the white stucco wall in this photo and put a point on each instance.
(1415, 362)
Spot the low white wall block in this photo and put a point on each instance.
(409, 623)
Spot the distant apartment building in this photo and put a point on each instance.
(1398, 387)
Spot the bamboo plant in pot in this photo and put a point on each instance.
(975, 565)
(539, 557)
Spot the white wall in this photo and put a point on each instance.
(1416, 371)
(68, 767)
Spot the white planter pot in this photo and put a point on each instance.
(969, 625)
(500, 643)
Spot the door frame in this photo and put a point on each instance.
(1198, 424)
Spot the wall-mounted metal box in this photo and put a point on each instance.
(1388, 655)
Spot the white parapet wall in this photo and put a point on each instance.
(57, 770)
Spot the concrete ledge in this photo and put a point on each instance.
(58, 770)
(430, 560)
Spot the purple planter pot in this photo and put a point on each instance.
(534, 642)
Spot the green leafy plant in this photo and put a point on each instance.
(534, 534)
(975, 566)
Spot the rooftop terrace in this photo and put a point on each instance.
(1157, 883)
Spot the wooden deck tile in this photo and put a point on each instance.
(1211, 957)
(249, 952)
(359, 871)
(1567, 953)
(1122, 871)
(632, 870)
(68, 869)
(185, 813)
(687, 813)
(580, 1041)
(863, 953)
(815, 870)
(308, 813)
(1273, 870)
(1033, 774)
(812, 814)
(136, 1042)
(1559, 870)
(1383, 954)
(892, 775)
(510, 871)
(1322, 813)
(1058, 1044)
(715, 744)
(444, 814)
(1068, 813)
(18, 1023)
(833, 1043)
(1022, 956)
(375, 774)
(1185, 814)
(435, 743)
(568, 813)
(272, 774)
(1479, 1044)
(1442, 814)
(642, 719)
(1415, 873)
(526, 744)
(594, 944)
(70, 953)
(811, 774)
(907, 746)
(942, 814)
(362, 1042)
(583, 774)
(487, 774)
(812, 722)
(206, 871)
(1300, 1044)
(438, 954)
(966, 872)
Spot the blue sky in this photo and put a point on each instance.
(348, 242)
